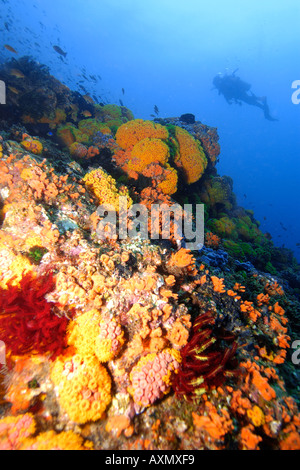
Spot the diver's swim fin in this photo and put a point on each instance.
(270, 118)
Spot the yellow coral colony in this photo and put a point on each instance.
(83, 387)
(92, 334)
(147, 151)
(104, 187)
(191, 157)
(136, 130)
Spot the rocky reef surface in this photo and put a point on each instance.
(129, 343)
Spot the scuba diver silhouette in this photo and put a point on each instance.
(235, 90)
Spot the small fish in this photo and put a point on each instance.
(123, 91)
(88, 99)
(13, 89)
(10, 49)
(152, 115)
(73, 107)
(16, 73)
(86, 113)
(245, 195)
(156, 110)
(283, 227)
(50, 134)
(297, 244)
(59, 51)
(121, 102)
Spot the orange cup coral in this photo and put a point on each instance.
(33, 146)
(83, 386)
(49, 440)
(147, 151)
(136, 130)
(105, 189)
(182, 259)
(92, 334)
(191, 157)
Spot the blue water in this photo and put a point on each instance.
(166, 53)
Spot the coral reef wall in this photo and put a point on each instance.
(126, 342)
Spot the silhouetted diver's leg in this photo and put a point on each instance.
(267, 111)
(252, 100)
(260, 103)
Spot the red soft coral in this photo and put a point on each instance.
(27, 321)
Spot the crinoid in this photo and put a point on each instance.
(206, 358)
(27, 321)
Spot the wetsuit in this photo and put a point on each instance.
(235, 90)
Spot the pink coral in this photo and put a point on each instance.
(13, 430)
(151, 377)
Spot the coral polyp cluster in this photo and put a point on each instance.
(105, 189)
(151, 377)
(133, 132)
(49, 440)
(190, 156)
(17, 434)
(14, 429)
(91, 333)
(146, 149)
(83, 387)
(109, 341)
(32, 145)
